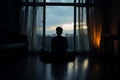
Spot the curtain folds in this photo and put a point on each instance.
(82, 41)
(94, 22)
(32, 25)
(88, 26)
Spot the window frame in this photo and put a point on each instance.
(43, 4)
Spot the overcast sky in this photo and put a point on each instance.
(59, 0)
(56, 15)
(59, 16)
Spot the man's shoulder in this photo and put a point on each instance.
(54, 37)
(64, 37)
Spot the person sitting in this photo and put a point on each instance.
(59, 43)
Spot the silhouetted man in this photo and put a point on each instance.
(59, 43)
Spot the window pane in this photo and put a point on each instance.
(62, 1)
(29, 26)
(82, 42)
(81, 1)
(59, 16)
(39, 27)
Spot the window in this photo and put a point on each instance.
(82, 41)
(41, 17)
(81, 1)
(60, 1)
(59, 16)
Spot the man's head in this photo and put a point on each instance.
(59, 31)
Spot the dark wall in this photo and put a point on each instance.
(111, 22)
(111, 15)
(9, 16)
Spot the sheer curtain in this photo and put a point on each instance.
(88, 25)
(32, 24)
(94, 22)
(82, 40)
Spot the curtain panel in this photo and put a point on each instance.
(31, 22)
(94, 23)
(32, 25)
(82, 40)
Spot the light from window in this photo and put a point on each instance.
(59, 16)
(81, 1)
(61, 1)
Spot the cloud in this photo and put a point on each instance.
(60, 16)
(60, 0)
(68, 26)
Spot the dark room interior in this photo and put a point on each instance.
(92, 28)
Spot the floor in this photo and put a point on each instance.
(30, 67)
